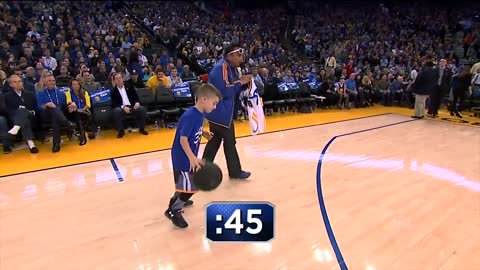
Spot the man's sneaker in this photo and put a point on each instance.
(243, 175)
(176, 218)
(188, 203)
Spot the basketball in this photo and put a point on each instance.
(208, 178)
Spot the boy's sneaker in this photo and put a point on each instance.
(176, 218)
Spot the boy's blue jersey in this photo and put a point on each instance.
(190, 125)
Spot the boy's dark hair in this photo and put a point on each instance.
(208, 90)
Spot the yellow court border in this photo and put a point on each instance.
(107, 146)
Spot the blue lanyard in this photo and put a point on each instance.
(56, 94)
(79, 101)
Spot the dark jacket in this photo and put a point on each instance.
(462, 84)
(3, 107)
(426, 82)
(5, 87)
(225, 78)
(14, 101)
(117, 98)
(446, 82)
(138, 84)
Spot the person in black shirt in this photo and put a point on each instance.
(135, 81)
(443, 80)
(460, 88)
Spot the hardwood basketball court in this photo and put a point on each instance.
(393, 194)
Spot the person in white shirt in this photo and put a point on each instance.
(330, 62)
(49, 62)
(413, 74)
(142, 59)
(174, 78)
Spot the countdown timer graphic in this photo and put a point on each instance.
(240, 221)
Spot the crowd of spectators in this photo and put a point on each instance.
(202, 36)
(83, 41)
(374, 51)
(379, 39)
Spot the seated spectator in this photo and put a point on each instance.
(89, 84)
(343, 95)
(21, 106)
(297, 78)
(125, 101)
(80, 70)
(288, 78)
(120, 68)
(135, 80)
(174, 79)
(158, 80)
(111, 82)
(64, 78)
(39, 69)
(187, 74)
(93, 57)
(50, 63)
(101, 74)
(4, 86)
(367, 85)
(5, 137)
(396, 92)
(144, 41)
(332, 97)
(142, 59)
(30, 79)
(180, 67)
(63, 63)
(40, 85)
(133, 64)
(52, 105)
(381, 88)
(81, 98)
(147, 73)
(352, 89)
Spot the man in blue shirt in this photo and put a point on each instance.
(352, 89)
(224, 76)
(185, 150)
(52, 103)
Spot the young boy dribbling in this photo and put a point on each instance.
(185, 148)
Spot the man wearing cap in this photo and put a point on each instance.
(134, 80)
(224, 76)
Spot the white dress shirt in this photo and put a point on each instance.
(123, 93)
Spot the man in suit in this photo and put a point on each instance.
(424, 85)
(443, 80)
(4, 136)
(21, 107)
(224, 76)
(125, 101)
